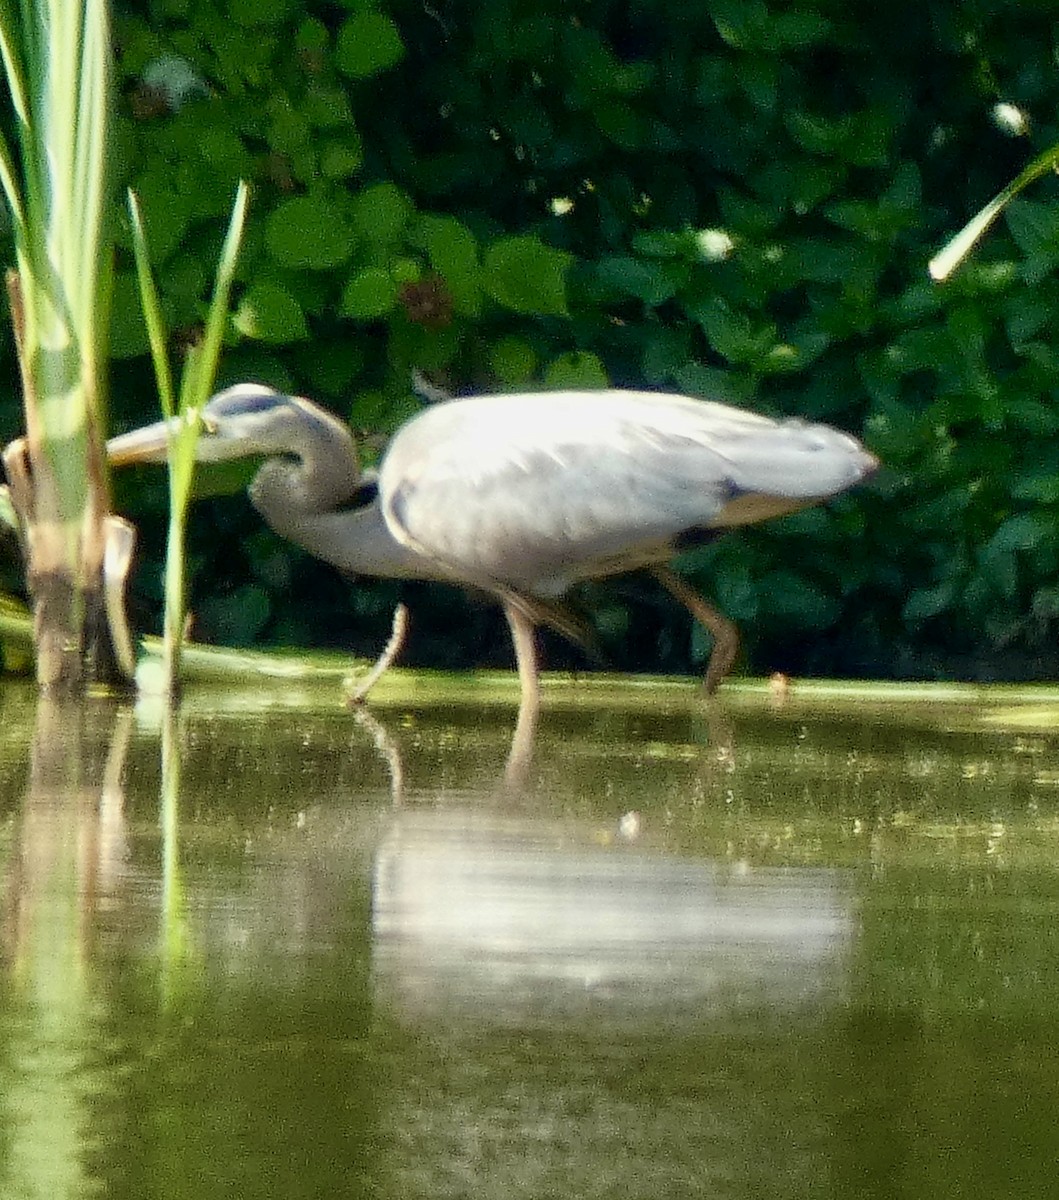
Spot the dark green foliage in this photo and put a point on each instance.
(736, 199)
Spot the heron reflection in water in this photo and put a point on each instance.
(524, 495)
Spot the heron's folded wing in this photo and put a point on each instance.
(539, 490)
(539, 520)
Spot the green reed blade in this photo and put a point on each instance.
(196, 386)
(957, 248)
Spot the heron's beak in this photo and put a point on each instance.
(147, 445)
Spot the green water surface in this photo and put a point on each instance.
(761, 948)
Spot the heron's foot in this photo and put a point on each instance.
(520, 756)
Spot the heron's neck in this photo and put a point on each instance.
(321, 473)
(306, 496)
(357, 541)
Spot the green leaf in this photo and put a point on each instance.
(665, 353)
(269, 313)
(341, 159)
(576, 369)
(797, 600)
(999, 571)
(381, 410)
(166, 213)
(237, 617)
(620, 123)
(367, 44)
(1045, 604)
(760, 79)
(369, 294)
(796, 30)
(1040, 483)
(858, 216)
(288, 131)
(664, 243)
(308, 231)
(200, 367)
(942, 512)
(712, 384)
(1023, 531)
(731, 333)
(311, 36)
(930, 602)
(405, 270)
(780, 359)
(735, 589)
(453, 253)
(648, 281)
(412, 345)
(332, 365)
(128, 331)
(259, 12)
(742, 24)
(1034, 226)
(525, 275)
(370, 408)
(861, 137)
(381, 212)
(225, 153)
(513, 361)
(328, 108)
(196, 383)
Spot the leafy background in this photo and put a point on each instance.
(735, 199)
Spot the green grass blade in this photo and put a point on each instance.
(203, 362)
(954, 251)
(91, 157)
(9, 182)
(13, 72)
(181, 478)
(57, 113)
(12, 60)
(157, 335)
(196, 386)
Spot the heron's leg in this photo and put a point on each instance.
(523, 633)
(354, 695)
(725, 632)
(520, 756)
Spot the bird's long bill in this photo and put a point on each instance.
(147, 445)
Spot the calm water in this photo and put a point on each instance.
(810, 951)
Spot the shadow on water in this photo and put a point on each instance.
(799, 950)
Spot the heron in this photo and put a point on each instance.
(523, 495)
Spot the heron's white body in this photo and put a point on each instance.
(537, 491)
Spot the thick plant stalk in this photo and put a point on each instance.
(66, 527)
(56, 58)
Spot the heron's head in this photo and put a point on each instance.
(243, 421)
